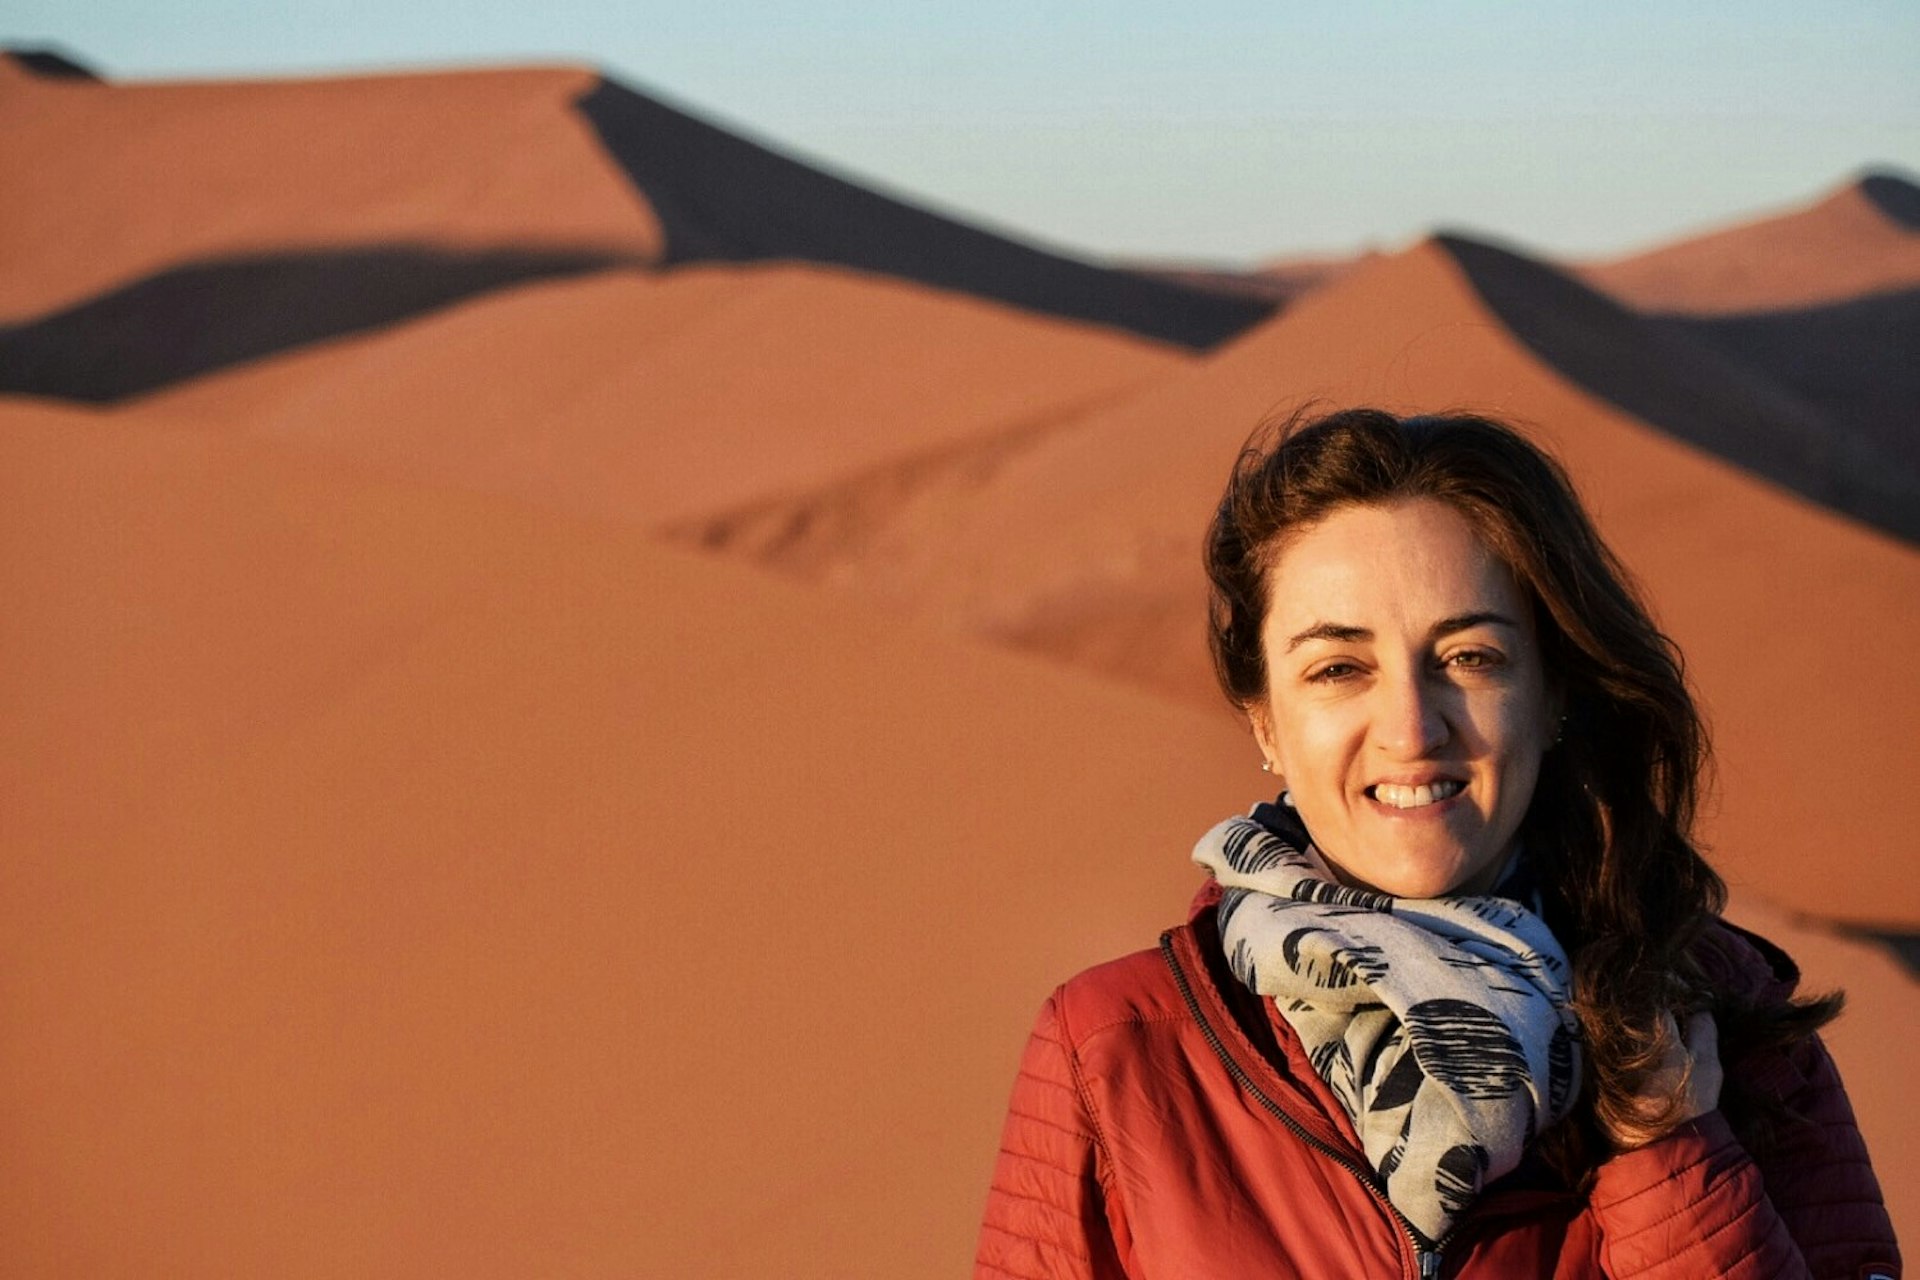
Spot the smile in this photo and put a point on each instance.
(1400, 797)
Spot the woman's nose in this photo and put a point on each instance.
(1409, 718)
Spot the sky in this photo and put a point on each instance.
(1225, 132)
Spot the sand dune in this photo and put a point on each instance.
(118, 183)
(1863, 238)
(653, 397)
(724, 198)
(108, 184)
(1085, 547)
(410, 883)
(1718, 384)
(1852, 360)
(405, 844)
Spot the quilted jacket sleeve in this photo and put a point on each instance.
(1695, 1204)
(1046, 1211)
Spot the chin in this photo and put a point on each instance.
(1427, 886)
(1435, 878)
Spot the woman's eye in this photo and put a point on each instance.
(1331, 672)
(1473, 659)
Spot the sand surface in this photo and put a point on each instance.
(657, 397)
(1841, 246)
(408, 883)
(109, 183)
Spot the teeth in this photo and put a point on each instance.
(1413, 797)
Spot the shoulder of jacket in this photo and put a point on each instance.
(1745, 964)
(1135, 989)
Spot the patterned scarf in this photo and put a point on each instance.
(1441, 1024)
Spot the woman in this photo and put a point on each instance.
(1460, 1002)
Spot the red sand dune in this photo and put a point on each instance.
(109, 183)
(654, 397)
(412, 883)
(1085, 546)
(1281, 281)
(162, 177)
(405, 845)
(1842, 246)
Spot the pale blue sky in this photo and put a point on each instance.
(1232, 131)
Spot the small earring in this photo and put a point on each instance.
(1560, 734)
(1266, 766)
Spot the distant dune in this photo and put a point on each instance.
(199, 173)
(1852, 361)
(577, 680)
(1863, 238)
(109, 184)
(722, 198)
(1719, 384)
(649, 398)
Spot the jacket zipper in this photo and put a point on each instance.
(1427, 1260)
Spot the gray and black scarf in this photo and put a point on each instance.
(1441, 1024)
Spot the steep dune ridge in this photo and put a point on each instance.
(652, 397)
(108, 183)
(1718, 385)
(1863, 238)
(1852, 360)
(412, 883)
(723, 198)
(206, 177)
(1085, 546)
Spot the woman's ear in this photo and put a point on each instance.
(1262, 722)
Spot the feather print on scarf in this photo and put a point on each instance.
(1441, 1024)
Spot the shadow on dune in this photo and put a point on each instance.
(1904, 946)
(721, 198)
(195, 319)
(1858, 360)
(1894, 196)
(1674, 378)
(49, 63)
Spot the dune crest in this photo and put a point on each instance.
(111, 183)
(725, 198)
(1851, 242)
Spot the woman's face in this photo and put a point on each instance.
(1407, 709)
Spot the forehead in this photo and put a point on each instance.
(1417, 559)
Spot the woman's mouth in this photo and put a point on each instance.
(1397, 796)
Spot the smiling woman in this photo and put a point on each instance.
(1407, 707)
(1461, 1001)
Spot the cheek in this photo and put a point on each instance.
(1519, 738)
(1313, 743)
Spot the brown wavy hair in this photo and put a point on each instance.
(1610, 825)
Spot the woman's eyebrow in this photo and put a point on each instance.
(1462, 621)
(1359, 635)
(1329, 631)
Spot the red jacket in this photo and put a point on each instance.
(1166, 1123)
